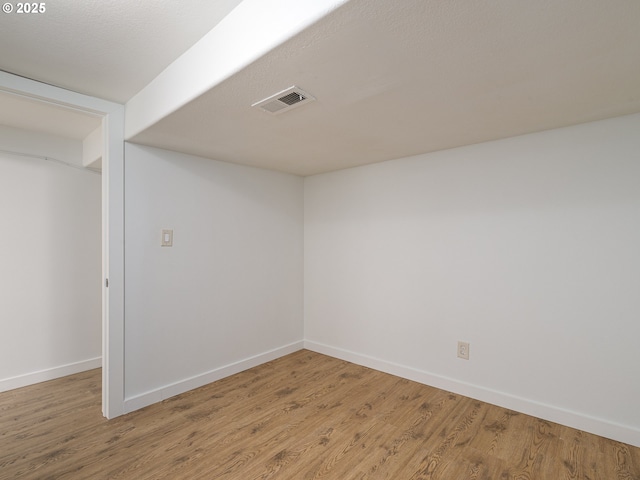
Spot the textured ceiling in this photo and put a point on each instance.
(392, 79)
(109, 49)
(36, 116)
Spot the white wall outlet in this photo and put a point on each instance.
(167, 238)
(463, 350)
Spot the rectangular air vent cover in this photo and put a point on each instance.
(284, 101)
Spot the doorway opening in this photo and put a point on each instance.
(110, 136)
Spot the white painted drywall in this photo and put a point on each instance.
(50, 258)
(230, 287)
(528, 248)
(92, 149)
(249, 31)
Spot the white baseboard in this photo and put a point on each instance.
(49, 374)
(139, 401)
(597, 426)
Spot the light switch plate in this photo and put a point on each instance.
(167, 238)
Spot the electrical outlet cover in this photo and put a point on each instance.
(463, 350)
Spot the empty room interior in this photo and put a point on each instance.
(320, 239)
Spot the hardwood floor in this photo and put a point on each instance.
(304, 416)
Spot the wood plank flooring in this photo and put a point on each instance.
(303, 416)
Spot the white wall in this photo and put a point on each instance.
(528, 248)
(228, 294)
(50, 260)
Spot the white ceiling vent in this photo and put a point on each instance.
(284, 101)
